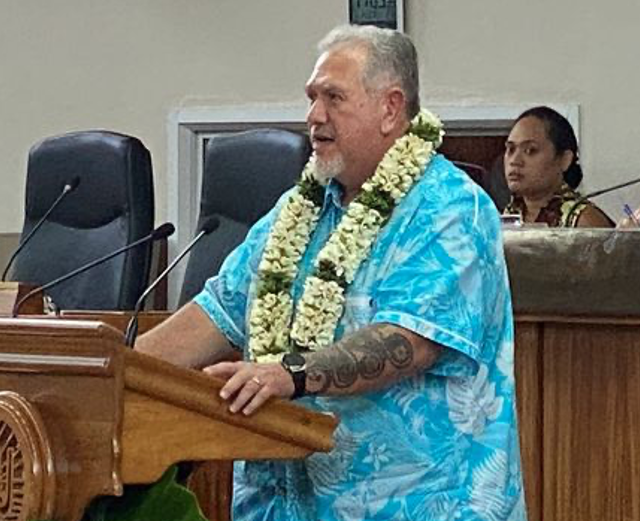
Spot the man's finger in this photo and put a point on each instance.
(237, 381)
(223, 370)
(247, 390)
(258, 401)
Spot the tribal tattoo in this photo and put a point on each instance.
(372, 357)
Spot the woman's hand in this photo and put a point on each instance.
(632, 220)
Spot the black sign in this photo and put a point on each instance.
(382, 13)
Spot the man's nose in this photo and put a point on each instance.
(316, 115)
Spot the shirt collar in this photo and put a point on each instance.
(333, 194)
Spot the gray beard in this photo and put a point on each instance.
(328, 169)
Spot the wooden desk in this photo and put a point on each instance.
(579, 410)
(577, 307)
(12, 292)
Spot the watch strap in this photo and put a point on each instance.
(299, 377)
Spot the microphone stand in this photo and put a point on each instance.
(163, 231)
(132, 327)
(69, 187)
(603, 191)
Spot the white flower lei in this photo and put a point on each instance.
(272, 333)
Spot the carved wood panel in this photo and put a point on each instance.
(27, 481)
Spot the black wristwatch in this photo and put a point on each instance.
(296, 366)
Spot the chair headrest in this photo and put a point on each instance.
(256, 166)
(101, 160)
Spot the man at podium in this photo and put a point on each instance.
(376, 290)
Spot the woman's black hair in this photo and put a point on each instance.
(561, 134)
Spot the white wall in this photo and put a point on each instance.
(502, 51)
(125, 65)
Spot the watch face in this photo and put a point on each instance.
(294, 361)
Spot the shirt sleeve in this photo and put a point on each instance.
(447, 279)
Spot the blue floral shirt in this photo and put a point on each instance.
(441, 445)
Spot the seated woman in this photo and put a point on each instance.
(542, 171)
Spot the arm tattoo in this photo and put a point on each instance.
(361, 358)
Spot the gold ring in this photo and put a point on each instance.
(256, 380)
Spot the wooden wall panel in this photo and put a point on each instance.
(528, 370)
(591, 416)
(481, 150)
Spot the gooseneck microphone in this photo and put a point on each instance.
(66, 189)
(603, 191)
(159, 233)
(611, 188)
(210, 225)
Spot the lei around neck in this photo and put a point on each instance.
(276, 325)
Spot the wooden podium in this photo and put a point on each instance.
(80, 416)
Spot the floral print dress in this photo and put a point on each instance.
(562, 211)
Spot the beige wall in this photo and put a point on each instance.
(501, 51)
(8, 244)
(126, 64)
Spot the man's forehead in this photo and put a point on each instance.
(336, 68)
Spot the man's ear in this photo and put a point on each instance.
(393, 110)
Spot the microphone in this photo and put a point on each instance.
(611, 189)
(67, 189)
(603, 191)
(159, 233)
(210, 225)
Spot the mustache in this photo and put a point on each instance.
(322, 133)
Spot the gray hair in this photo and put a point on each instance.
(391, 56)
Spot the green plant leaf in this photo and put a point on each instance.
(165, 500)
(326, 271)
(312, 190)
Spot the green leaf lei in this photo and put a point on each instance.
(275, 328)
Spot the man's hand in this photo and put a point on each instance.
(250, 385)
(372, 358)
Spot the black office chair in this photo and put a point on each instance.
(112, 206)
(244, 175)
(496, 185)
